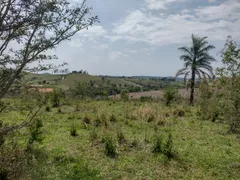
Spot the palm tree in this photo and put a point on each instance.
(197, 62)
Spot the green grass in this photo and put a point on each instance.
(202, 149)
(65, 81)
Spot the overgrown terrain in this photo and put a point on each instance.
(77, 126)
(121, 140)
(107, 83)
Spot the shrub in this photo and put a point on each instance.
(163, 147)
(55, 98)
(146, 113)
(124, 95)
(113, 118)
(150, 118)
(87, 120)
(120, 136)
(110, 147)
(170, 94)
(48, 109)
(81, 170)
(93, 134)
(73, 131)
(59, 110)
(146, 98)
(36, 134)
(207, 103)
(167, 148)
(134, 143)
(178, 112)
(230, 84)
(157, 144)
(97, 122)
(77, 108)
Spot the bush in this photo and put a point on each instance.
(150, 118)
(124, 95)
(82, 171)
(73, 131)
(48, 109)
(146, 98)
(120, 136)
(113, 118)
(97, 122)
(59, 110)
(93, 134)
(110, 147)
(207, 102)
(167, 149)
(230, 84)
(55, 98)
(157, 144)
(170, 94)
(87, 120)
(163, 147)
(36, 134)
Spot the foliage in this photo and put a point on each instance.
(48, 109)
(36, 134)
(73, 130)
(230, 84)
(82, 171)
(197, 63)
(157, 147)
(120, 136)
(124, 95)
(162, 146)
(81, 89)
(208, 102)
(146, 98)
(170, 94)
(110, 147)
(55, 98)
(113, 118)
(37, 26)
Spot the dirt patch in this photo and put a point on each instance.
(45, 90)
(42, 90)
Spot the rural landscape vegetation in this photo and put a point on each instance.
(74, 125)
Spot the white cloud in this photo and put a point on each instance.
(160, 4)
(177, 28)
(229, 10)
(93, 31)
(212, 1)
(116, 55)
(75, 44)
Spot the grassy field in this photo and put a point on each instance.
(65, 81)
(200, 149)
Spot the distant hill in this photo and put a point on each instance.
(65, 81)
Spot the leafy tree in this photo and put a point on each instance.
(81, 89)
(230, 83)
(34, 27)
(30, 28)
(170, 94)
(197, 62)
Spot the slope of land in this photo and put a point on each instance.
(199, 149)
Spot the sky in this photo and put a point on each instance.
(141, 37)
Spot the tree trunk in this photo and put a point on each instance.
(192, 88)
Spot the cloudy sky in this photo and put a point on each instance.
(141, 37)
